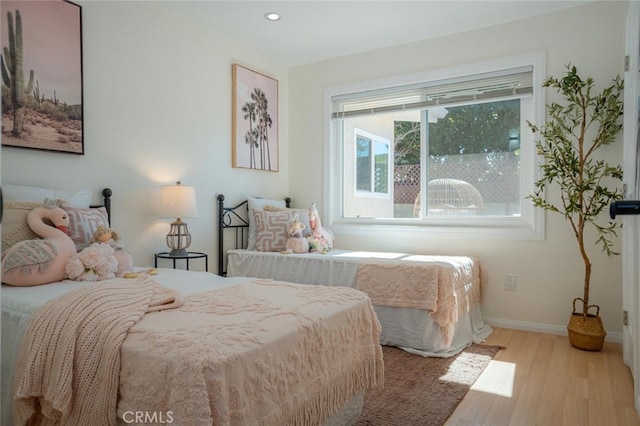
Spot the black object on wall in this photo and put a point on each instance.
(624, 207)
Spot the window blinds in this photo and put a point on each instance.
(505, 84)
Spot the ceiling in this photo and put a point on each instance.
(312, 31)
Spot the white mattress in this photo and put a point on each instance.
(410, 329)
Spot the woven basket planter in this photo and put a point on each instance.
(586, 332)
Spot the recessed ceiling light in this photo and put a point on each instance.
(272, 16)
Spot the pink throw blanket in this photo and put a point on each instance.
(69, 364)
(445, 286)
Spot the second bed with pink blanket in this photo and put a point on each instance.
(428, 305)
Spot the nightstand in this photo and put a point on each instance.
(190, 255)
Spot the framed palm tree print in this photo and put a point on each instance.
(255, 120)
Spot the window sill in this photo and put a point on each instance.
(490, 228)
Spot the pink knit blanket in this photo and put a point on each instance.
(258, 353)
(68, 369)
(445, 286)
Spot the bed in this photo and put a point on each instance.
(428, 305)
(189, 348)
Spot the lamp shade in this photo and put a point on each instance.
(178, 201)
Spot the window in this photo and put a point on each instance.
(445, 150)
(372, 168)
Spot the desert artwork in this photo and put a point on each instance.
(42, 75)
(255, 120)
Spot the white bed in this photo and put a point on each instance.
(241, 332)
(441, 329)
(19, 304)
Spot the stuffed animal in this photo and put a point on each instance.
(94, 263)
(296, 242)
(321, 239)
(40, 261)
(109, 236)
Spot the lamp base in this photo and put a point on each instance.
(178, 253)
(178, 239)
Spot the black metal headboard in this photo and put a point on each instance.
(106, 202)
(236, 221)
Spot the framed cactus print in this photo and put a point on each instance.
(42, 75)
(255, 120)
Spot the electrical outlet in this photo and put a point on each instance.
(510, 282)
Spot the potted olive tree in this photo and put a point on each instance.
(576, 128)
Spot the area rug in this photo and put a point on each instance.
(423, 391)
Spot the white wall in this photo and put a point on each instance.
(157, 109)
(550, 272)
(157, 94)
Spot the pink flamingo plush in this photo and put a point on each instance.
(35, 262)
(321, 239)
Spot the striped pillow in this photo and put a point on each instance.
(84, 222)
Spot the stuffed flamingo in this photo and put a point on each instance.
(321, 239)
(34, 262)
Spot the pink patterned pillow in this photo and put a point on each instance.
(84, 222)
(272, 229)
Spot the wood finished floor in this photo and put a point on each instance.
(540, 379)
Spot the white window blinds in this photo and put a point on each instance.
(504, 84)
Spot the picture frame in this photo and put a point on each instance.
(45, 112)
(254, 120)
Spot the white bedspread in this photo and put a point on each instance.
(414, 330)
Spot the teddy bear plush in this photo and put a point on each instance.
(297, 243)
(94, 263)
(108, 236)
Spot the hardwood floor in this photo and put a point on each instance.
(540, 379)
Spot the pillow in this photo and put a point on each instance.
(14, 222)
(33, 193)
(272, 229)
(303, 216)
(83, 223)
(258, 204)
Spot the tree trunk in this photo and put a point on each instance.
(587, 276)
(587, 265)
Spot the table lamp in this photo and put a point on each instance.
(178, 201)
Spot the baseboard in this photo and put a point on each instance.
(542, 328)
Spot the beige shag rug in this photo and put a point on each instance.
(423, 391)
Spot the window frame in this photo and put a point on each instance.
(529, 225)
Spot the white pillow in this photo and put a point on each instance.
(81, 199)
(258, 204)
